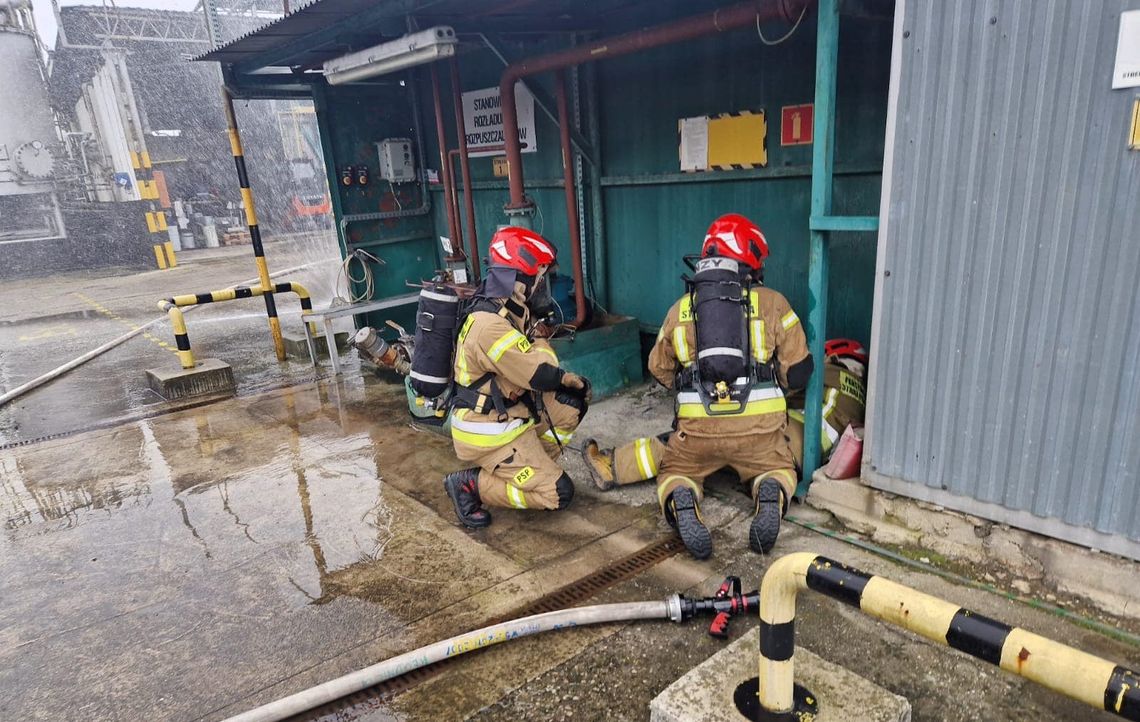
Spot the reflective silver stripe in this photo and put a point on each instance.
(762, 394)
(720, 351)
(487, 428)
(439, 297)
(430, 379)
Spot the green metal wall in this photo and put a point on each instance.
(654, 214)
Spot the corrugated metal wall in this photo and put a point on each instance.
(1007, 329)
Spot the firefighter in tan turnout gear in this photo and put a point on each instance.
(843, 404)
(729, 348)
(513, 407)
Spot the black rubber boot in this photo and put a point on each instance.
(770, 506)
(684, 515)
(463, 488)
(600, 464)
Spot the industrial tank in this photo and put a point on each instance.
(28, 140)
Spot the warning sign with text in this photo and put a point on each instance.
(483, 121)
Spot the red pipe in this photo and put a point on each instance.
(571, 201)
(465, 167)
(452, 225)
(453, 202)
(727, 18)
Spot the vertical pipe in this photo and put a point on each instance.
(823, 156)
(465, 167)
(452, 226)
(597, 212)
(251, 221)
(571, 201)
(453, 202)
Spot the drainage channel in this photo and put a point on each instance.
(368, 700)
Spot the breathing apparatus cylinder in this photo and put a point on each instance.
(721, 319)
(436, 318)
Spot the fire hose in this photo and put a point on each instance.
(725, 604)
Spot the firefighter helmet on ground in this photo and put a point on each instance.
(845, 347)
(734, 236)
(521, 249)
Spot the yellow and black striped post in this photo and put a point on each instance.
(251, 221)
(1097, 682)
(173, 308)
(155, 218)
(181, 338)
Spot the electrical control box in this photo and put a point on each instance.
(396, 162)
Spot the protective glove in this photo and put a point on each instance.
(578, 385)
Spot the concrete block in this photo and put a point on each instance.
(210, 376)
(705, 693)
(295, 344)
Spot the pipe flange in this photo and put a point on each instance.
(34, 160)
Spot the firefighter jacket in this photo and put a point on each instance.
(775, 335)
(493, 354)
(843, 402)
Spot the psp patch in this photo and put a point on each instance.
(525, 475)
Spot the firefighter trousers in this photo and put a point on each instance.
(523, 473)
(687, 460)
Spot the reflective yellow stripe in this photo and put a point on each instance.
(645, 462)
(754, 304)
(681, 346)
(549, 351)
(486, 434)
(829, 402)
(789, 319)
(759, 345)
(685, 481)
(515, 496)
(463, 376)
(829, 435)
(752, 408)
(685, 310)
(507, 340)
(557, 435)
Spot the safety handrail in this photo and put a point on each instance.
(173, 306)
(1086, 678)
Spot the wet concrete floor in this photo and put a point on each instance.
(158, 563)
(195, 564)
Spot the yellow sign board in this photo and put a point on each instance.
(500, 166)
(738, 140)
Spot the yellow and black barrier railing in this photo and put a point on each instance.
(173, 307)
(251, 222)
(1097, 682)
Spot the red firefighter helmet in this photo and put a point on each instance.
(521, 249)
(734, 236)
(848, 347)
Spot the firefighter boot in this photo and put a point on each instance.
(463, 488)
(684, 515)
(770, 508)
(600, 464)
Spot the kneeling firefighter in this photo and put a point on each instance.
(512, 406)
(729, 347)
(843, 402)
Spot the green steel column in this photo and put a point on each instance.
(823, 156)
(321, 108)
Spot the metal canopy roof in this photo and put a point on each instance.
(324, 29)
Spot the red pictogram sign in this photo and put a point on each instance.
(796, 124)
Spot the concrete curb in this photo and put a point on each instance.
(1106, 581)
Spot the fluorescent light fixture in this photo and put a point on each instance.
(413, 49)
